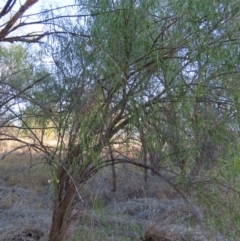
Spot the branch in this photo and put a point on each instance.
(34, 38)
(5, 31)
(7, 8)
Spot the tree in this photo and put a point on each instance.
(139, 63)
(12, 24)
(150, 69)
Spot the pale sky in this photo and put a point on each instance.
(40, 4)
(36, 8)
(45, 3)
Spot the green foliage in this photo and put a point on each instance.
(16, 66)
(164, 73)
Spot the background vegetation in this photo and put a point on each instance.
(150, 84)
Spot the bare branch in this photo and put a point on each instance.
(7, 8)
(5, 31)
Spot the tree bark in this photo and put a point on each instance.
(63, 207)
(144, 152)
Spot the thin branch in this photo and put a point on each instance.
(5, 31)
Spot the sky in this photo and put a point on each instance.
(36, 8)
(46, 3)
(40, 4)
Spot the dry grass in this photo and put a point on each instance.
(25, 197)
(25, 235)
(24, 170)
(136, 211)
(28, 211)
(163, 234)
(99, 219)
(154, 207)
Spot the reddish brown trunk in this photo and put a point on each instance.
(62, 211)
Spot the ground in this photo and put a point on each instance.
(136, 211)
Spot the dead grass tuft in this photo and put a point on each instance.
(164, 234)
(24, 235)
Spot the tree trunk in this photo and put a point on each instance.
(144, 152)
(63, 207)
(145, 163)
(114, 176)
